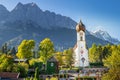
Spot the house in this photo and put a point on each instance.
(9, 76)
(52, 65)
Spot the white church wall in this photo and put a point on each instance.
(81, 52)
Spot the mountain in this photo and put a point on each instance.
(63, 38)
(45, 19)
(28, 21)
(105, 36)
(4, 13)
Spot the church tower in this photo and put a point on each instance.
(80, 50)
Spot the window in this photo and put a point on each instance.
(52, 64)
(81, 38)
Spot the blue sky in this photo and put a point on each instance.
(95, 14)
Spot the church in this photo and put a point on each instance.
(80, 49)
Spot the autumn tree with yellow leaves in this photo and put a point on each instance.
(25, 49)
(46, 49)
(113, 63)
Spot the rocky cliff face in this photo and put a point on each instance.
(45, 19)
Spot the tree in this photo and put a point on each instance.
(13, 51)
(113, 74)
(46, 48)
(58, 56)
(6, 62)
(36, 74)
(5, 48)
(113, 62)
(33, 63)
(93, 54)
(25, 49)
(65, 58)
(68, 54)
(99, 52)
(7, 65)
(105, 52)
(21, 68)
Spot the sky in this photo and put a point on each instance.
(95, 14)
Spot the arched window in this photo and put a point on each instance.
(81, 38)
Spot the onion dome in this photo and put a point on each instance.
(80, 26)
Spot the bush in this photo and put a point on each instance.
(36, 76)
(21, 68)
(34, 63)
(97, 64)
(6, 63)
(85, 78)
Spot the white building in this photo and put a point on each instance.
(80, 50)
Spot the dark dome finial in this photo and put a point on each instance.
(80, 26)
(80, 21)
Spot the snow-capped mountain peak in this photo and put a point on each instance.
(104, 35)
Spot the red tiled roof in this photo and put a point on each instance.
(9, 75)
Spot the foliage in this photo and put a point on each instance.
(25, 49)
(93, 55)
(98, 53)
(58, 56)
(25, 65)
(6, 62)
(13, 51)
(36, 76)
(109, 55)
(113, 74)
(5, 48)
(97, 64)
(7, 65)
(35, 63)
(85, 78)
(113, 62)
(22, 68)
(32, 62)
(53, 78)
(65, 58)
(46, 48)
(68, 57)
